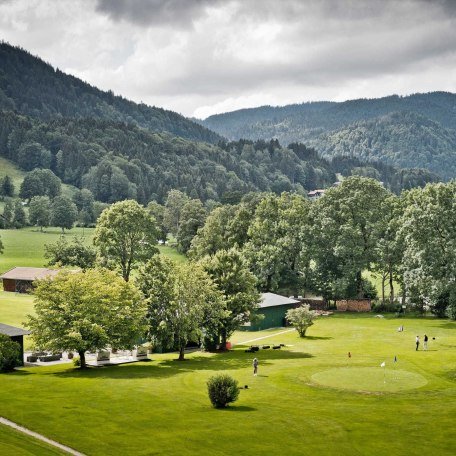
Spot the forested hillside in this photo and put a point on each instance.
(418, 130)
(32, 87)
(117, 161)
(118, 149)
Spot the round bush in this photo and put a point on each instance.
(10, 354)
(222, 390)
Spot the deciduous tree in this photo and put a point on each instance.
(183, 303)
(87, 311)
(126, 235)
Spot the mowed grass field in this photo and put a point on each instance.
(309, 397)
(25, 247)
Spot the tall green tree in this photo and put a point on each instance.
(126, 235)
(175, 202)
(183, 303)
(19, 217)
(274, 245)
(7, 186)
(8, 213)
(429, 229)
(40, 211)
(85, 312)
(158, 213)
(230, 272)
(390, 247)
(63, 212)
(192, 218)
(344, 233)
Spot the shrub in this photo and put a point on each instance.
(222, 390)
(10, 354)
(77, 362)
(301, 318)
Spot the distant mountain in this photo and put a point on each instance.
(32, 87)
(417, 130)
(119, 149)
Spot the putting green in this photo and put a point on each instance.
(371, 379)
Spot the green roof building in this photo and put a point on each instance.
(273, 307)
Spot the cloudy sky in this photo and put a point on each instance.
(201, 57)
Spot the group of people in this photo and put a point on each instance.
(425, 342)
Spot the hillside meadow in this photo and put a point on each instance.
(25, 247)
(309, 397)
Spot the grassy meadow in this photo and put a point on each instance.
(25, 247)
(309, 397)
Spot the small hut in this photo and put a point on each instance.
(16, 335)
(20, 280)
(273, 307)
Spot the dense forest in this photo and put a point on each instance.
(118, 149)
(30, 86)
(417, 130)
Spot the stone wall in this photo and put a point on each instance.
(354, 305)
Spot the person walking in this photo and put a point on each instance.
(417, 342)
(425, 341)
(255, 367)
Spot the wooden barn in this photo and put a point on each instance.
(273, 307)
(20, 280)
(16, 335)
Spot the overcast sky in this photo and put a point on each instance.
(201, 57)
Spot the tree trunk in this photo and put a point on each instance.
(391, 284)
(383, 289)
(82, 359)
(268, 283)
(223, 338)
(181, 352)
(359, 284)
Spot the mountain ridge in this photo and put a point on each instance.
(33, 87)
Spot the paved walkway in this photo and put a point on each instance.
(264, 337)
(41, 437)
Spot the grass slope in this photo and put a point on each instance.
(25, 247)
(161, 407)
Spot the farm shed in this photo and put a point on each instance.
(20, 280)
(273, 307)
(16, 335)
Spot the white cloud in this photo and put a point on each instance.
(200, 57)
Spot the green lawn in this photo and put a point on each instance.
(309, 398)
(25, 247)
(18, 444)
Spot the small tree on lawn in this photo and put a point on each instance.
(40, 211)
(62, 253)
(301, 318)
(87, 312)
(126, 234)
(10, 354)
(63, 212)
(183, 302)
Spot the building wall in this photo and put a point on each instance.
(274, 317)
(20, 341)
(9, 285)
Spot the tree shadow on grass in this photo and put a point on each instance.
(167, 368)
(317, 338)
(237, 408)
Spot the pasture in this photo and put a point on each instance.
(25, 247)
(309, 397)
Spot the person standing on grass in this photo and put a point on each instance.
(425, 341)
(417, 342)
(255, 367)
